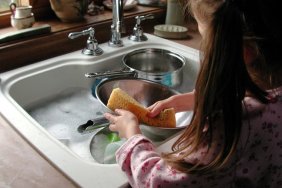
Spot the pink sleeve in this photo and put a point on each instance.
(145, 168)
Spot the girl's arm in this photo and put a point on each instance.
(180, 103)
(144, 167)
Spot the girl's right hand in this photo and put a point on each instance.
(180, 103)
(123, 122)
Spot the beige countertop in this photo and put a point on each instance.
(23, 166)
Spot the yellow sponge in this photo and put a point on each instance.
(119, 99)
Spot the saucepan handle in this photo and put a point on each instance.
(109, 74)
(93, 124)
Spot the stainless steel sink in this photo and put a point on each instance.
(46, 102)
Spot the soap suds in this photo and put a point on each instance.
(62, 114)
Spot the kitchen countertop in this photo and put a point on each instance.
(21, 165)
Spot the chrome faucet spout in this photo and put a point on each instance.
(117, 24)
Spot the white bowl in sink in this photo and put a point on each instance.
(58, 89)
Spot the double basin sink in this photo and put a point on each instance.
(46, 102)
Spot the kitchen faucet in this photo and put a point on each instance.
(117, 25)
(92, 47)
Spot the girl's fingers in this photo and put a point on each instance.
(152, 106)
(112, 121)
(110, 117)
(120, 112)
(112, 127)
(155, 109)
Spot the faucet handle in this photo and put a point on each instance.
(138, 34)
(78, 34)
(92, 47)
(142, 18)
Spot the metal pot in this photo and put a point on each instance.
(153, 64)
(146, 92)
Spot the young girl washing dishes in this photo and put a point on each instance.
(235, 136)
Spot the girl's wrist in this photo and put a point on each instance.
(134, 130)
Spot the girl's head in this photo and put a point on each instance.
(204, 11)
(263, 20)
(261, 26)
(222, 82)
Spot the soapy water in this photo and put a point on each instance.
(63, 113)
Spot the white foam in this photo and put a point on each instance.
(63, 113)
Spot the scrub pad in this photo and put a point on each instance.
(119, 99)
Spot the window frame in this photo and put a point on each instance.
(5, 19)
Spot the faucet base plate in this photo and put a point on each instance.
(95, 52)
(137, 38)
(118, 43)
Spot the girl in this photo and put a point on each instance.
(234, 138)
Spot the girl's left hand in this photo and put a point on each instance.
(125, 123)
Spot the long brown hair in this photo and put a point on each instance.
(265, 28)
(220, 87)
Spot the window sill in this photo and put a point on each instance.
(16, 53)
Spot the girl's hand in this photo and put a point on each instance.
(125, 123)
(180, 103)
